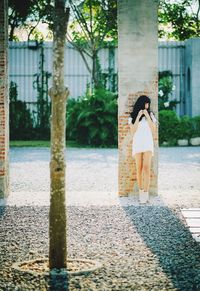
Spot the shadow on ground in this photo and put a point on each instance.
(141, 247)
(2, 209)
(172, 243)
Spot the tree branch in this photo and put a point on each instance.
(80, 19)
(32, 29)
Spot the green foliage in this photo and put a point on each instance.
(168, 126)
(179, 19)
(165, 88)
(94, 24)
(94, 20)
(23, 126)
(195, 126)
(185, 127)
(21, 122)
(92, 119)
(42, 126)
(28, 14)
(172, 127)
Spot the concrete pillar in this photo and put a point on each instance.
(4, 101)
(138, 71)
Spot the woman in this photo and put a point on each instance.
(142, 126)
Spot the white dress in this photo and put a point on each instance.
(143, 138)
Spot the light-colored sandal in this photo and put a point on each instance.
(141, 196)
(146, 196)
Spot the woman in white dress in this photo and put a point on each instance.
(142, 123)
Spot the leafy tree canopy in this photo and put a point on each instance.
(179, 19)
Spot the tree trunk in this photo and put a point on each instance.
(11, 35)
(96, 71)
(59, 94)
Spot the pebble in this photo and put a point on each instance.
(168, 259)
(140, 247)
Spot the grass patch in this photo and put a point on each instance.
(29, 143)
(46, 143)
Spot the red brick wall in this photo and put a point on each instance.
(4, 102)
(127, 168)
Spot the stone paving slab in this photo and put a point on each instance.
(196, 236)
(193, 222)
(191, 213)
(194, 230)
(190, 210)
(192, 218)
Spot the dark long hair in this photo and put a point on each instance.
(140, 105)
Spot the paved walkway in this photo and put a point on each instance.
(92, 177)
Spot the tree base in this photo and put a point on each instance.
(40, 267)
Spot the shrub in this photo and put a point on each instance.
(21, 122)
(92, 119)
(184, 130)
(195, 126)
(168, 127)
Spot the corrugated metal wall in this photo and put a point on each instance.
(171, 56)
(24, 63)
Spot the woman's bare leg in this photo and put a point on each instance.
(139, 162)
(146, 169)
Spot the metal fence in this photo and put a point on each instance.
(171, 56)
(26, 65)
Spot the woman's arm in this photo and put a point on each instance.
(152, 124)
(133, 127)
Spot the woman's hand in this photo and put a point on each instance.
(145, 112)
(133, 127)
(151, 123)
(140, 113)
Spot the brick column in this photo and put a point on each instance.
(4, 101)
(137, 65)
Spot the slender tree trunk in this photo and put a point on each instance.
(94, 82)
(96, 78)
(59, 94)
(11, 35)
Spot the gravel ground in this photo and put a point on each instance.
(140, 247)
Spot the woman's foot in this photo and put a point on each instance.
(143, 196)
(146, 196)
